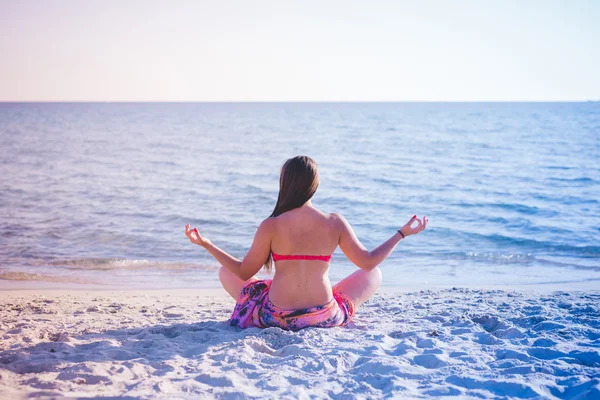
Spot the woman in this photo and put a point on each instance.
(300, 239)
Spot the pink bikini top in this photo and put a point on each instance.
(277, 257)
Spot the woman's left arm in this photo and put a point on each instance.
(255, 258)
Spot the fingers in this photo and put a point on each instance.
(421, 225)
(189, 232)
(418, 228)
(411, 221)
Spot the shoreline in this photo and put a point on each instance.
(50, 287)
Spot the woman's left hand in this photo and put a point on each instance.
(408, 228)
(195, 237)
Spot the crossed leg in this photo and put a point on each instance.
(360, 285)
(231, 283)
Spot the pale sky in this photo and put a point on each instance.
(368, 50)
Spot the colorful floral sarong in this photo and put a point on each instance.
(254, 309)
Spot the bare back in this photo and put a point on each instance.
(303, 283)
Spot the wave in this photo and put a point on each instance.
(530, 244)
(580, 251)
(513, 258)
(564, 200)
(521, 208)
(497, 258)
(582, 179)
(126, 264)
(25, 276)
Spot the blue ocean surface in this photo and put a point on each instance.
(98, 194)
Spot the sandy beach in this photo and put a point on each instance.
(147, 145)
(178, 344)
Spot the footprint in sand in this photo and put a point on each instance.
(221, 381)
(172, 312)
(430, 361)
(82, 378)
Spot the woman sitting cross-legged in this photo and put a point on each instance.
(300, 239)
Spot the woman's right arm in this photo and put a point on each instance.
(368, 260)
(255, 258)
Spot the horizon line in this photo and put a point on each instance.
(299, 101)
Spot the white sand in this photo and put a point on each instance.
(154, 344)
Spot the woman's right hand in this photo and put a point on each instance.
(195, 237)
(408, 228)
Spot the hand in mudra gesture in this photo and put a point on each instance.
(194, 236)
(408, 229)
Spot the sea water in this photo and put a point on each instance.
(98, 194)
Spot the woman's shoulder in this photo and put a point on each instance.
(268, 224)
(337, 217)
(339, 222)
(336, 221)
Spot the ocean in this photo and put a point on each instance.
(98, 194)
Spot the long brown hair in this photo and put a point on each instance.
(298, 183)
